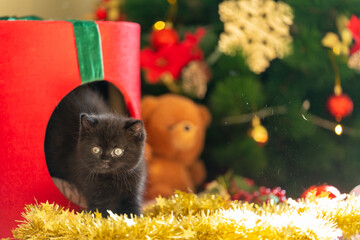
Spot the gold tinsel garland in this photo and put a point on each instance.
(190, 216)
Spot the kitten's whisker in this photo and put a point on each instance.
(127, 182)
(94, 174)
(117, 180)
(90, 177)
(123, 181)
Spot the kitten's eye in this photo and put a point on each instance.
(96, 150)
(117, 152)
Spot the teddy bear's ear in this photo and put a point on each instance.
(148, 104)
(205, 114)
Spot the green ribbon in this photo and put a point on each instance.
(89, 52)
(21, 18)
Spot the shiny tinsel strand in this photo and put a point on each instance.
(191, 216)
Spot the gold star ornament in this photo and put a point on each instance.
(258, 28)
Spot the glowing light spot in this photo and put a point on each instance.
(260, 134)
(306, 105)
(338, 129)
(171, 2)
(258, 131)
(159, 25)
(336, 50)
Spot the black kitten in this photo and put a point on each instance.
(99, 152)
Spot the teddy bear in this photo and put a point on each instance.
(176, 128)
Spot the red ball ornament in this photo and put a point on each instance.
(340, 106)
(101, 13)
(333, 191)
(164, 37)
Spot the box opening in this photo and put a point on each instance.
(114, 99)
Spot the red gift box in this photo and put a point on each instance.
(38, 66)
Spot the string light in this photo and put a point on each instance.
(279, 110)
(258, 132)
(159, 25)
(338, 129)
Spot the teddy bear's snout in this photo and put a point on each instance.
(184, 135)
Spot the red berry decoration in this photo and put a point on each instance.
(164, 37)
(340, 106)
(265, 194)
(333, 191)
(242, 195)
(101, 13)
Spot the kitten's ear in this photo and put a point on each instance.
(86, 121)
(135, 128)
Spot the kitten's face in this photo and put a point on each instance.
(108, 143)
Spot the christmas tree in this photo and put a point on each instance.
(273, 65)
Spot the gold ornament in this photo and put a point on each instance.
(113, 9)
(258, 28)
(332, 40)
(258, 131)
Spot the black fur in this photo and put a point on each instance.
(81, 125)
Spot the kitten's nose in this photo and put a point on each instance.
(106, 163)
